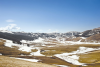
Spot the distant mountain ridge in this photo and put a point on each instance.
(18, 36)
(89, 33)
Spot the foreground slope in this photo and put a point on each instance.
(11, 62)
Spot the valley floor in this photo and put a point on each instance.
(49, 54)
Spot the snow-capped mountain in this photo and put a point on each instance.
(6, 31)
(89, 33)
(17, 36)
(44, 35)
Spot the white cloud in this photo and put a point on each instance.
(10, 27)
(18, 28)
(9, 20)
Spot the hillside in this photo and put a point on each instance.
(95, 38)
(50, 48)
(12, 62)
(89, 33)
(15, 38)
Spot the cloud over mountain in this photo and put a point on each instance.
(10, 27)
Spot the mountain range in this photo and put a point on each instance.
(92, 34)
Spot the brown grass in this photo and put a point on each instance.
(92, 57)
(11, 62)
(58, 50)
(34, 50)
(95, 37)
(49, 60)
(50, 51)
(2, 42)
(76, 39)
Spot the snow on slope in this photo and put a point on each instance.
(31, 60)
(6, 31)
(39, 40)
(25, 48)
(23, 41)
(37, 53)
(9, 43)
(0, 54)
(73, 57)
(22, 47)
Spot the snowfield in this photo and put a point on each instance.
(39, 40)
(69, 57)
(9, 43)
(73, 57)
(23, 47)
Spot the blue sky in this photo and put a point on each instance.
(50, 15)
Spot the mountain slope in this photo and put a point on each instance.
(12, 62)
(95, 37)
(15, 38)
(89, 33)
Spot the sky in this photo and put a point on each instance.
(49, 15)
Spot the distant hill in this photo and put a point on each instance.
(89, 33)
(93, 34)
(95, 37)
(15, 38)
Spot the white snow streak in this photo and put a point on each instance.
(31, 60)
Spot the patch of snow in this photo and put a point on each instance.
(83, 37)
(31, 60)
(80, 40)
(43, 45)
(72, 57)
(37, 53)
(25, 48)
(81, 34)
(23, 41)
(9, 43)
(39, 40)
(0, 54)
(50, 46)
(6, 31)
